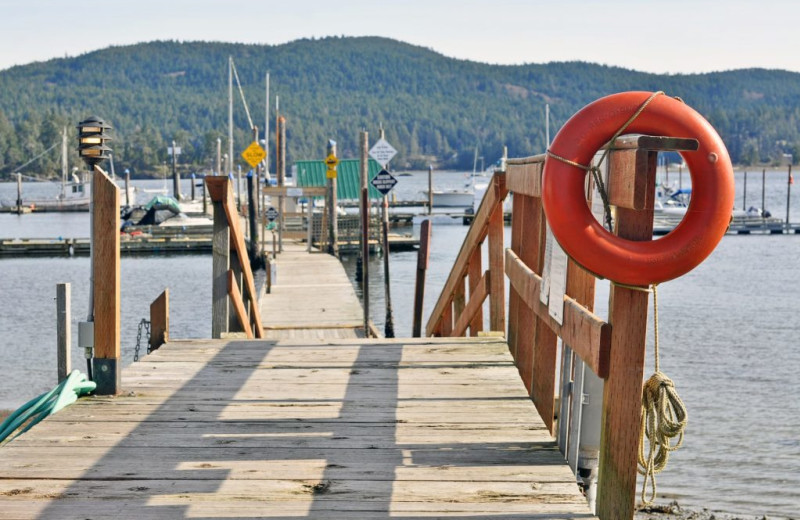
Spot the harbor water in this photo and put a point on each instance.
(728, 339)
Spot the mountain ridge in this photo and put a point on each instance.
(434, 108)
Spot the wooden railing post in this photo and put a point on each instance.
(497, 296)
(159, 320)
(228, 237)
(616, 494)
(106, 267)
(220, 263)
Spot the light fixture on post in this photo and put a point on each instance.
(92, 138)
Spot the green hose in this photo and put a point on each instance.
(66, 393)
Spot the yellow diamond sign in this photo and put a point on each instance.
(331, 161)
(254, 154)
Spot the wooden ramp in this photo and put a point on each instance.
(344, 429)
(311, 298)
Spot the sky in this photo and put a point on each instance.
(679, 36)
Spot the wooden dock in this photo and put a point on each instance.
(313, 421)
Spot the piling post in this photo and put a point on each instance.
(205, 196)
(744, 195)
(252, 202)
(106, 279)
(19, 194)
(239, 188)
(128, 187)
(422, 266)
(788, 197)
(763, 186)
(388, 328)
(176, 180)
(331, 201)
(363, 167)
(63, 329)
(193, 176)
(218, 169)
(430, 189)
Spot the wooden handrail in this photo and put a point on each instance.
(589, 336)
(615, 353)
(489, 212)
(221, 191)
(238, 306)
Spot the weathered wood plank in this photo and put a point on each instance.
(531, 253)
(525, 178)
(587, 334)
(421, 427)
(475, 275)
(476, 298)
(159, 320)
(238, 306)
(295, 191)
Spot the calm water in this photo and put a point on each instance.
(729, 338)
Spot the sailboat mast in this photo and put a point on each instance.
(230, 115)
(547, 125)
(266, 132)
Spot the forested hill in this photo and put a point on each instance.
(434, 108)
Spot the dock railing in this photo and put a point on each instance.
(458, 310)
(234, 299)
(614, 350)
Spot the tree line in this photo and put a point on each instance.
(434, 109)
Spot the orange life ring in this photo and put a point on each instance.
(618, 259)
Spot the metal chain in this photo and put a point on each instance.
(144, 324)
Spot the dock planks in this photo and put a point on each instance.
(315, 421)
(311, 298)
(352, 428)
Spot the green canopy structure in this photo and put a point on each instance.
(312, 173)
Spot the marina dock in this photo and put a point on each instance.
(314, 421)
(296, 408)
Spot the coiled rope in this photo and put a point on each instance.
(664, 418)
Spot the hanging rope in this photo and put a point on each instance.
(595, 168)
(664, 418)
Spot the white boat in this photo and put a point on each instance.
(452, 198)
(75, 194)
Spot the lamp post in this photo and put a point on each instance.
(101, 344)
(92, 139)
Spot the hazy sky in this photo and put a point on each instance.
(677, 36)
